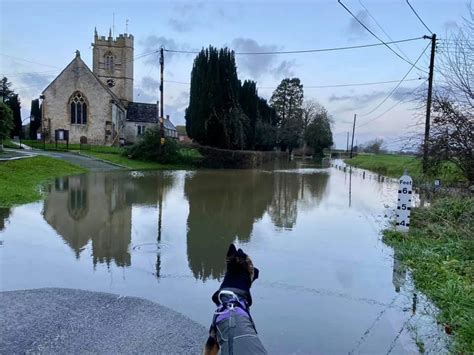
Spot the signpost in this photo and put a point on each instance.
(61, 135)
(405, 197)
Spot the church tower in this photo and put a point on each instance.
(113, 63)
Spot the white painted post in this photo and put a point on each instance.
(405, 197)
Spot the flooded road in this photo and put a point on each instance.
(327, 285)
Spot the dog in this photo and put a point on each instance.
(232, 330)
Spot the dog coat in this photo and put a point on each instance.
(234, 327)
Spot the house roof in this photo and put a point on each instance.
(81, 62)
(167, 124)
(141, 112)
(146, 113)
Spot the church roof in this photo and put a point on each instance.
(81, 62)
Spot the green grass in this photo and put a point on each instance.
(439, 249)
(21, 180)
(146, 165)
(64, 147)
(394, 165)
(7, 143)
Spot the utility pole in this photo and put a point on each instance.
(353, 131)
(347, 145)
(162, 68)
(428, 102)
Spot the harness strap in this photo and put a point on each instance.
(231, 332)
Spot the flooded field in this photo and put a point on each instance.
(327, 285)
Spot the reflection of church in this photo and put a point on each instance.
(97, 209)
(91, 208)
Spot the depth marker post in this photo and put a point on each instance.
(405, 198)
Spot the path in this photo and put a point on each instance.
(88, 163)
(66, 321)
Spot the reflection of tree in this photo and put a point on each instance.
(4, 214)
(223, 205)
(283, 209)
(316, 185)
(98, 208)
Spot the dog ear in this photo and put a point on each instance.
(232, 250)
(241, 253)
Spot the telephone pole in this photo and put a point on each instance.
(347, 144)
(428, 102)
(162, 68)
(353, 131)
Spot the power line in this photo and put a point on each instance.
(318, 86)
(347, 85)
(399, 83)
(305, 50)
(382, 29)
(391, 108)
(26, 60)
(419, 18)
(386, 44)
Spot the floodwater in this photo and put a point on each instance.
(327, 285)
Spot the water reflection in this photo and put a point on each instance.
(97, 209)
(223, 206)
(4, 214)
(94, 211)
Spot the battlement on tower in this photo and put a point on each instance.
(122, 40)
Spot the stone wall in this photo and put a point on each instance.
(131, 130)
(77, 77)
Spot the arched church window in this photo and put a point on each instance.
(77, 203)
(78, 105)
(109, 61)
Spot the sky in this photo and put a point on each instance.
(39, 38)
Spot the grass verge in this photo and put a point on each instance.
(145, 165)
(439, 249)
(394, 165)
(21, 180)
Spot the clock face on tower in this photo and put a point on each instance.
(110, 83)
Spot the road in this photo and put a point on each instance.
(74, 158)
(67, 321)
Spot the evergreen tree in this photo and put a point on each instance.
(287, 100)
(14, 103)
(35, 118)
(214, 116)
(5, 91)
(6, 122)
(249, 102)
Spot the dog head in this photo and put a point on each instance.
(240, 274)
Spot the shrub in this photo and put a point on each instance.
(148, 148)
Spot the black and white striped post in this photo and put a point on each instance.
(405, 197)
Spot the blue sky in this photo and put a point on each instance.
(39, 38)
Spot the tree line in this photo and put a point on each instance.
(11, 123)
(223, 112)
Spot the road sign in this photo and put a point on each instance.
(405, 197)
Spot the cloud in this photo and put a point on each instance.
(150, 84)
(154, 43)
(180, 25)
(188, 16)
(355, 29)
(402, 94)
(284, 69)
(258, 65)
(359, 99)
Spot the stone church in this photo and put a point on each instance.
(96, 106)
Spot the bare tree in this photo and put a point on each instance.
(452, 130)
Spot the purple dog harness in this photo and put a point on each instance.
(229, 325)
